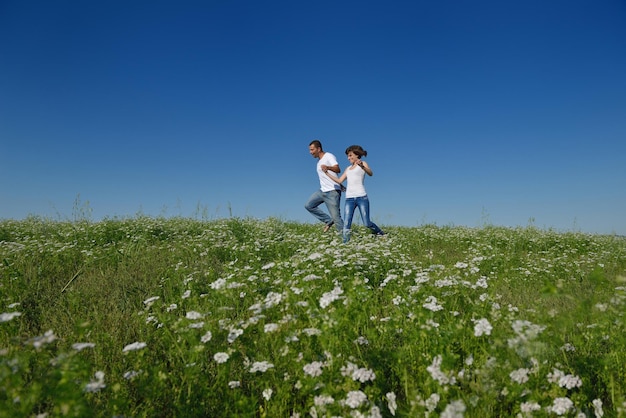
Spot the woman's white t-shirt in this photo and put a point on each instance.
(355, 176)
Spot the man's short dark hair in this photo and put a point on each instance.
(317, 143)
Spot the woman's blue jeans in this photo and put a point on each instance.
(363, 204)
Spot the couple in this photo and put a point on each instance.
(331, 187)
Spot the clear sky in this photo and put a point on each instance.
(496, 112)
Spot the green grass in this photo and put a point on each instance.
(244, 317)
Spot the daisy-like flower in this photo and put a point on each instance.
(221, 357)
(150, 301)
(270, 327)
(82, 346)
(519, 376)
(46, 338)
(455, 409)
(329, 297)
(323, 400)
(193, 315)
(431, 304)
(131, 374)
(233, 384)
(97, 384)
(268, 266)
(267, 394)
(313, 369)
(529, 407)
(391, 402)
(134, 346)
(355, 398)
(312, 331)
(569, 381)
(561, 406)
(597, 408)
(7, 316)
(206, 337)
(233, 334)
(435, 371)
(261, 366)
(363, 375)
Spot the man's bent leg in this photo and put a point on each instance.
(312, 205)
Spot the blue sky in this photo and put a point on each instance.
(497, 112)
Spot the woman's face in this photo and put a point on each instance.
(352, 157)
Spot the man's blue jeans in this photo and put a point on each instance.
(363, 204)
(332, 200)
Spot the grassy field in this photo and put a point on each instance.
(154, 317)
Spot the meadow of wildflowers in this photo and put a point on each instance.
(243, 317)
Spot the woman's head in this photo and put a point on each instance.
(356, 150)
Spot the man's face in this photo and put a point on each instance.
(314, 151)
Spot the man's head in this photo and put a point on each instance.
(315, 148)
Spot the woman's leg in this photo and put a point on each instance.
(350, 206)
(364, 208)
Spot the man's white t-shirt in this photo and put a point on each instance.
(326, 184)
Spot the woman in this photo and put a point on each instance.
(356, 196)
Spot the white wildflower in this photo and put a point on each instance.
(355, 399)
(234, 334)
(7, 316)
(272, 299)
(482, 283)
(193, 315)
(186, 294)
(131, 374)
(206, 337)
(267, 394)
(46, 338)
(391, 402)
(323, 400)
(313, 369)
(221, 357)
(218, 284)
(272, 327)
(314, 256)
(519, 376)
(260, 366)
(234, 384)
(431, 304)
(561, 406)
(150, 301)
(363, 375)
(482, 327)
(82, 346)
(597, 408)
(329, 297)
(570, 381)
(312, 331)
(431, 403)
(361, 341)
(134, 346)
(529, 407)
(97, 384)
(268, 266)
(455, 409)
(435, 371)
